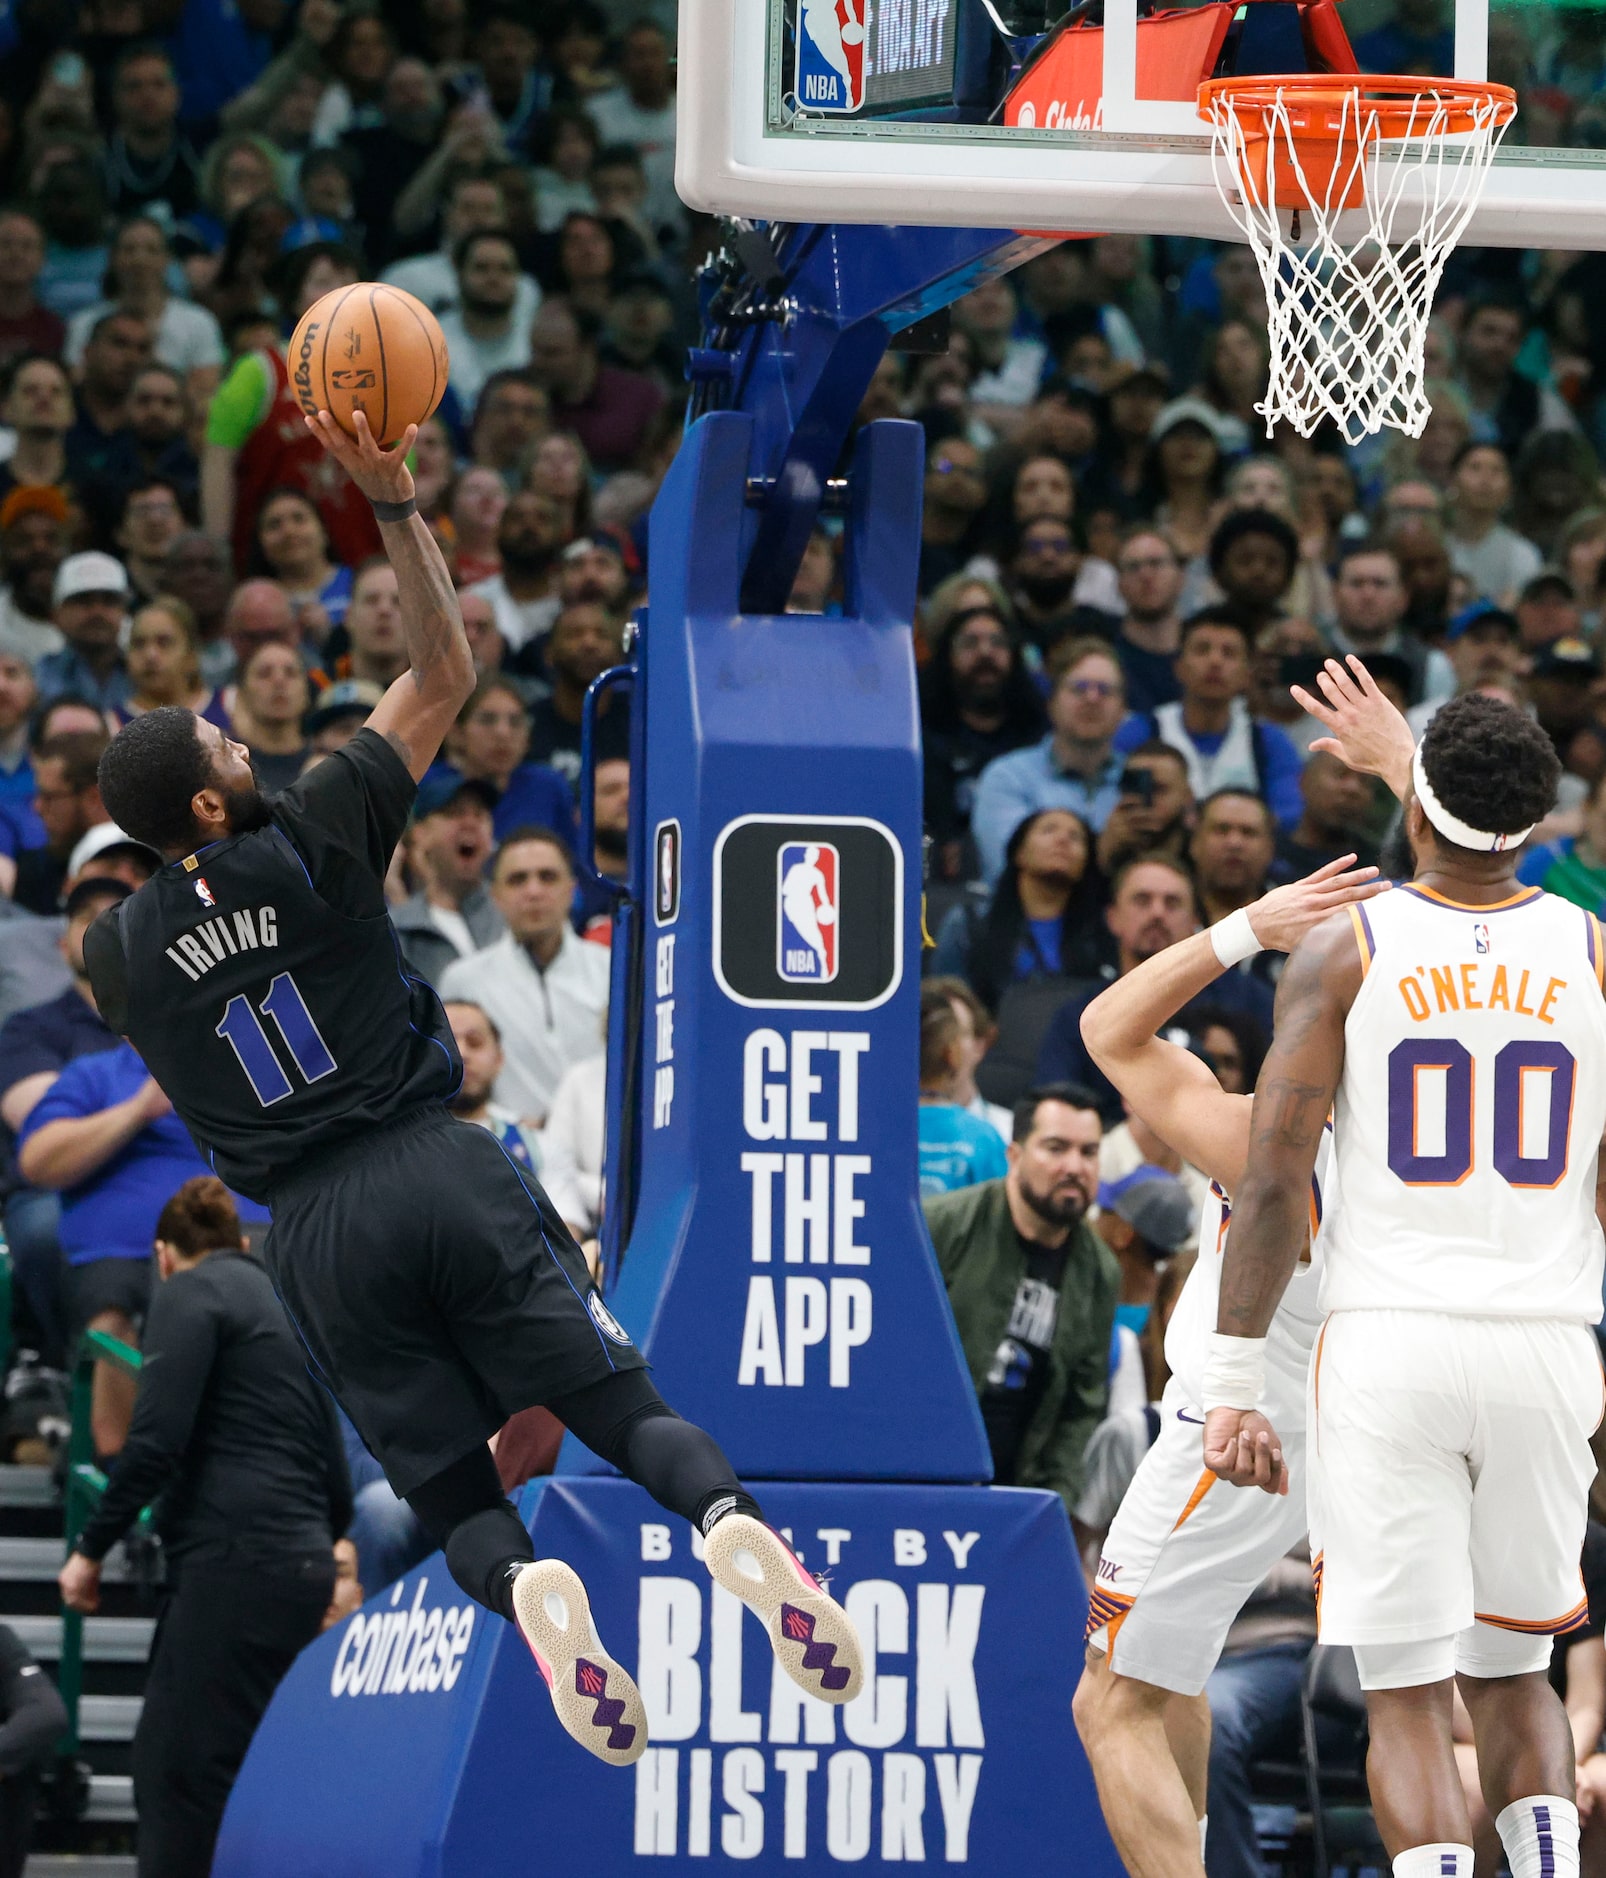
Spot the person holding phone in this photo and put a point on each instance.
(1154, 813)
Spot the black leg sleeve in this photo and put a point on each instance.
(626, 1422)
(466, 1513)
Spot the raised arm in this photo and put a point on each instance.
(1167, 1087)
(1368, 733)
(1269, 1218)
(420, 707)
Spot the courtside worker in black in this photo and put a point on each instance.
(258, 976)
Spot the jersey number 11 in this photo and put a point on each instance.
(242, 1030)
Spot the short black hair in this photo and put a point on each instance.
(150, 771)
(466, 244)
(1474, 444)
(1153, 749)
(1225, 618)
(1238, 523)
(533, 831)
(1238, 792)
(1075, 1095)
(1490, 765)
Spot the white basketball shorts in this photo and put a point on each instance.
(1449, 1471)
(1185, 1550)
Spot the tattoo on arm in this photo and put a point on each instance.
(432, 622)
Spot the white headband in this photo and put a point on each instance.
(1463, 834)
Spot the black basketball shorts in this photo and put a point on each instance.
(436, 1289)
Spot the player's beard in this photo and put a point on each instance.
(1058, 1206)
(247, 810)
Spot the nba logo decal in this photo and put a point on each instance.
(204, 892)
(1480, 937)
(830, 54)
(806, 889)
(666, 872)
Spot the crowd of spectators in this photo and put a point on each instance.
(1120, 577)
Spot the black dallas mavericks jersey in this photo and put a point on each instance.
(261, 982)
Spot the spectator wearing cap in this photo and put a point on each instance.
(956, 1149)
(1145, 1217)
(89, 602)
(33, 545)
(269, 703)
(1485, 648)
(1212, 726)
(543, 987)
(529, 538)
(1183, 474)
(1076, 766)
(26, 325)
(484, 331)
(1033, 1290)
(1369, 602)
(339, 712)
(1573, 866)
(1495, 559)
(38, 406)
(68, 805)
(36, 1044)
(1547, 610)
(1560, 684)
(449, 842)
(586, 639)
(1254, 556)
(610, 410)
(490, 745)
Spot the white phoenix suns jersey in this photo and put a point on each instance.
(1298, 1319)
(1468, 1120)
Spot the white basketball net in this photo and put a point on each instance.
(1349, 292)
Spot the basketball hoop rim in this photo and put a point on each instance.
(1391, 102)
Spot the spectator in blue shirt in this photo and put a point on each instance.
(105, 1137)
(957, 1149)
(18, 695)
(1224, 745)
(36, 1045)
(1076, 766)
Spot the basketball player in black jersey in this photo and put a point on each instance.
(436, 1288)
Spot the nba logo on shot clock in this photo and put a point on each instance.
(807, 873)
(830, 54)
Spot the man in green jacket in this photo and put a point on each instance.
(1033, 1291)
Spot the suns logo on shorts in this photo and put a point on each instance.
(605, 1320)
(204, 893)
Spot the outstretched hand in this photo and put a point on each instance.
(382, 475)
(1282, 917)
(1242, 1448)
(1368, 732)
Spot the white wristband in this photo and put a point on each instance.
(1234, 1373)
(1234, 939)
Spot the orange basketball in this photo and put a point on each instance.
(369, 348)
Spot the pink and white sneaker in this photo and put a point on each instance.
(595, 1699)
(813, 1637)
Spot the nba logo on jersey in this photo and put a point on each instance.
(204, 892)
(807, 927)
(830, 54)
(1480, 937)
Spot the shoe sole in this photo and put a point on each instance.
(813, 1637)
(595, 1700)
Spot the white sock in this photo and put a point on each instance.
(1540, 1835)
(1204, 1820)
(1435, 1861)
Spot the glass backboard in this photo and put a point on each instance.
(966, 113)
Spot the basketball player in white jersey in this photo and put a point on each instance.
(1179, 1560)
(1457, 1029)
